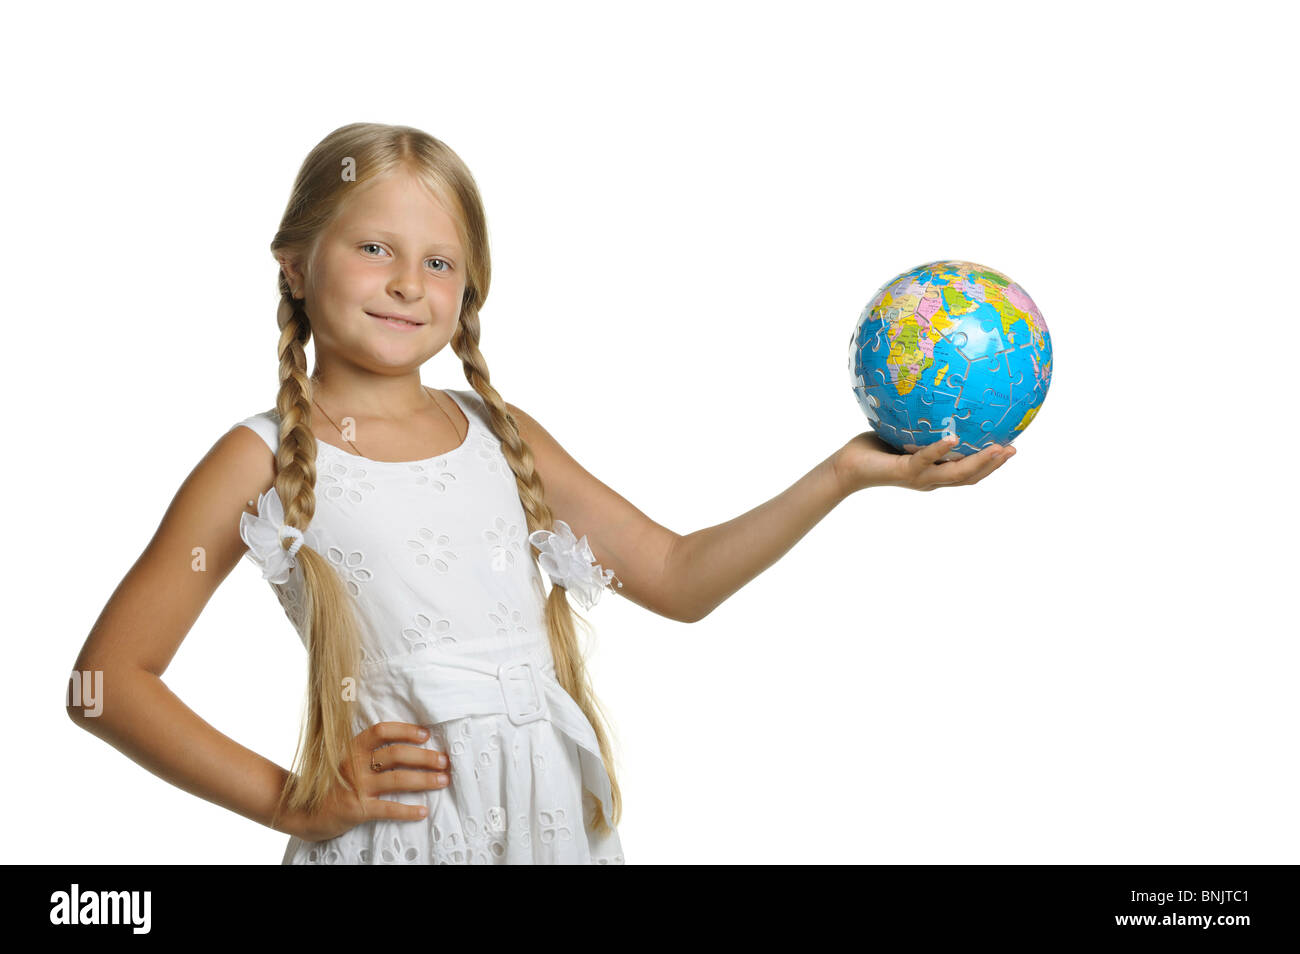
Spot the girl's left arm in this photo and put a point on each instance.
(686, 577)
(709, 565)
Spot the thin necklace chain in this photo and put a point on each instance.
(455, 429)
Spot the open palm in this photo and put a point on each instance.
(867, 461)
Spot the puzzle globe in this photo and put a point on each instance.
(950, 347)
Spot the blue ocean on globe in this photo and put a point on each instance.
(950, 347)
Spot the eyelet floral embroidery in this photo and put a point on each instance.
(435, 476)
(507, 543)
(487, 757)
(508, 621)
(427, 632)
(554, 827)
(523, 832)
(449, 847)
(351, 569)
(460, 744)
(336, 481)
(395, 852)
(433, 549)
(489, 454)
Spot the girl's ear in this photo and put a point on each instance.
(293, 273)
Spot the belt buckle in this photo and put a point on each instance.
(522, 688)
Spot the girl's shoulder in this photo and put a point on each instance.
(265, 425)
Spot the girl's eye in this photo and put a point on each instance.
(370, 245)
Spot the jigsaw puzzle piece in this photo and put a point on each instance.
(979, 335)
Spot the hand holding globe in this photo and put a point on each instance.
(946, 350)
(867, 461)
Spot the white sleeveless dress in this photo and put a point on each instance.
(435, 554)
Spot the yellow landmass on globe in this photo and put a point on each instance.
(1029, 416)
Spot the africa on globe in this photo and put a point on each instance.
(950, 347)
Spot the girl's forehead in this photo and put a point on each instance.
(391, 200)
(395, 185)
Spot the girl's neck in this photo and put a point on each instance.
(376, 398)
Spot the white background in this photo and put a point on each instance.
(1087, 658)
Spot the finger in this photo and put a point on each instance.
(956, 472)
(920, 463)
(937, 449)
(397, 753)
(407, 780)
(382, 733)
(984, 463)
(387, 808)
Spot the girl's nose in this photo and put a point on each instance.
(406, 285)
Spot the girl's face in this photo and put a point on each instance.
(393, 250)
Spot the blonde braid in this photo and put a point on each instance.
(570, 668)
(332, 634)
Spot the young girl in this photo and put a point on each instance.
(404, 531)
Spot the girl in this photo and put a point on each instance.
(403, 529)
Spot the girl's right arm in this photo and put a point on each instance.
(148, 616)
(151, 612)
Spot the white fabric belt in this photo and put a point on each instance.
(430, 686)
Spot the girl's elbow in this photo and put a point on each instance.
(692, 614)
(83, 695)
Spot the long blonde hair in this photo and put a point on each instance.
(333, 639)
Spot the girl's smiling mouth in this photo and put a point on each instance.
(397, 321)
